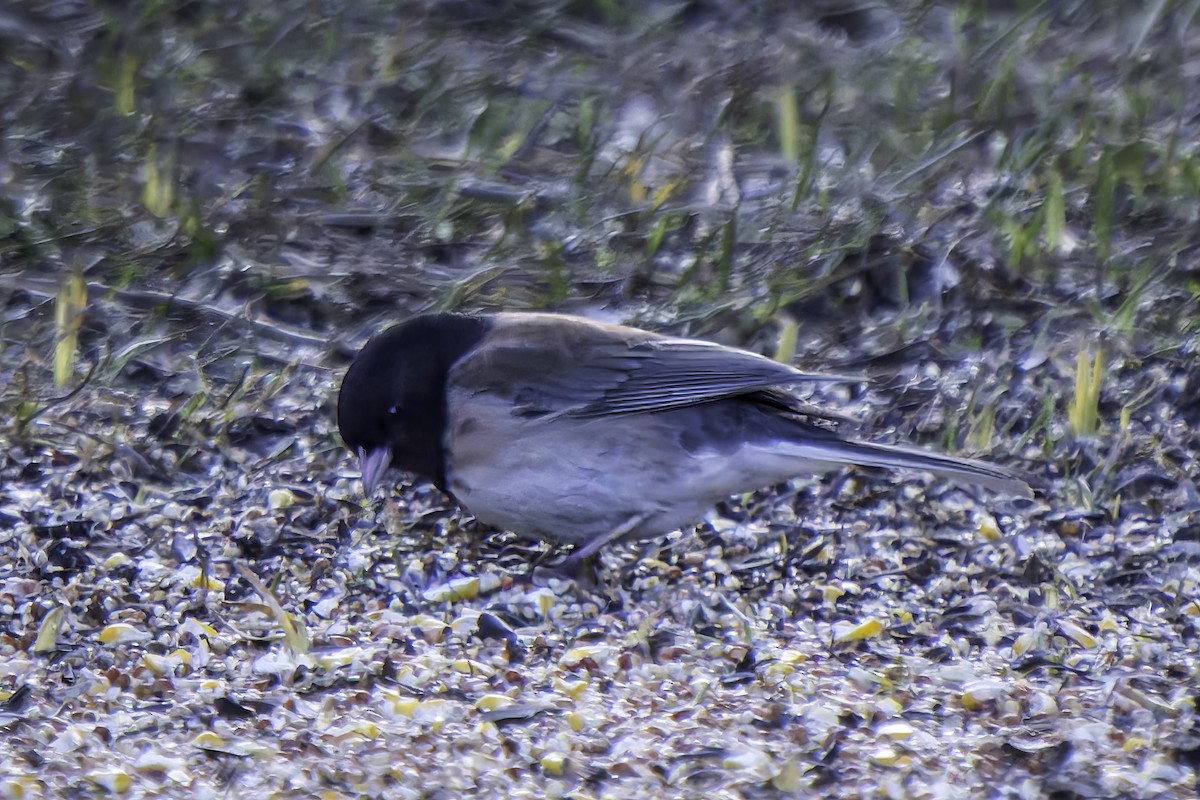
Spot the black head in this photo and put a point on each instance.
(392, 405)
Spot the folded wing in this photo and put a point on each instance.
(587, 369)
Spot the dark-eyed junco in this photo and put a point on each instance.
(583, 433)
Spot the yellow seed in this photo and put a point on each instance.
(114, 781)
(205, 628)
(856, 633)
(888, 706)
(47, 638)
(972, 702)
(405, 706)
(572, 688)
(120, 632)
(831, 593)
(209, 741)
(159, 665)
(462, 588)
(896, 730)
(595, 652)
(778, 670)
(116, 560)
(554, 764)
(988, 529)
(1076, 633)
(544, 599)
(492, 701)
(889, 757)
(355, 730)
(208, 583)
(468, 667)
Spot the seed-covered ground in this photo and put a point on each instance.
(989, 209)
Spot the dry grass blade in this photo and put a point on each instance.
(1084, 413)
(295, 634)
(68, 317)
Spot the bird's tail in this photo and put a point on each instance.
(888, 456)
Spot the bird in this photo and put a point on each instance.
(578, 432)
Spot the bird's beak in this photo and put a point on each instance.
(373, 464)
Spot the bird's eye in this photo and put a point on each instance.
(394, 410)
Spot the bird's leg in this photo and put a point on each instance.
(582, 553)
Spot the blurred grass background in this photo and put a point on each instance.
(673, 152)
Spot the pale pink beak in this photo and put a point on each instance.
(373, 464)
